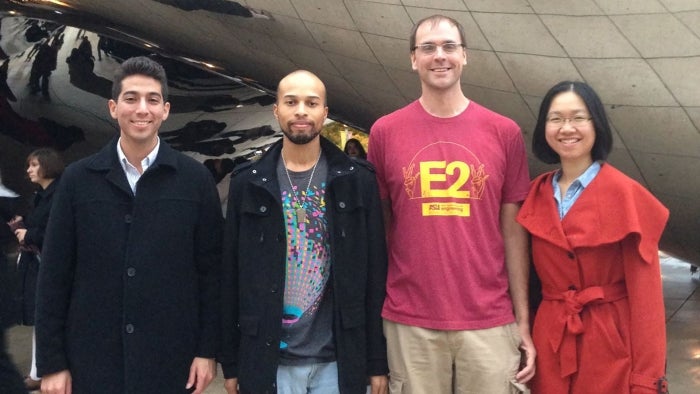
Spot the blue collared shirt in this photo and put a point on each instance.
(575, 190)
(132, 174)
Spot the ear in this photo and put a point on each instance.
(166, 110)
(464, 62)
(274, 111)
(112, 105)
(413, 61)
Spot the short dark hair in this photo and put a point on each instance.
(140, 65)
(50, 163)
(358, 145)
(603, 134)
(435, 19)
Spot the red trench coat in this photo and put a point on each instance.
(600, 327)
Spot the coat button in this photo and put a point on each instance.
(264, 179)
(131, 272)
(128, 218)
(263, 209)
(571, 255)
(341, 204)
(129, 328)
(273, 289)
(572, 287)
(268, 342)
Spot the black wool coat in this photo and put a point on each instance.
(28, 265)
(128, 290)
(254, 272)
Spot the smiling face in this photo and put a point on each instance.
(301, 107)
(139, 110)
(572, 142)
(440, 70)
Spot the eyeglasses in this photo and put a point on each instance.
(576, 121)
(429, 49)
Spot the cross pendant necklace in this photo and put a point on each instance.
(298, 203)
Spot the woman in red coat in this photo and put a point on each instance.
(600, 327)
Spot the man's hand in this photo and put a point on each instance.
(379, 384)
(202, 372)
(231, 386)
(57, 383)
(528, 347)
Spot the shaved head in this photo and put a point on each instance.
(300, 78)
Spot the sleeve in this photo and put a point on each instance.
(55, 281)
(647, 313)
(376, 283)
(517, 177)
(230, 333)
(208, 263)
(375, 155)
(40, 218)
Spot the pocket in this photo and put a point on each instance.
(395, 385)
(514, 336)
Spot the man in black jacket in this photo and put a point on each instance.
(304, 261)
(128, 291)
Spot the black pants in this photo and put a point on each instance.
(10, 379)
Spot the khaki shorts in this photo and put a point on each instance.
(424, 361)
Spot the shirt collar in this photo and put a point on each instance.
(584, 179)
(145, 163)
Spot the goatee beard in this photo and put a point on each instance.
(300, 139)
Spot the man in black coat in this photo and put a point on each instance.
(304, 262)
(128, 292)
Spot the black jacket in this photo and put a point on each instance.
(28, 266)
(254, 272)
(128, 289)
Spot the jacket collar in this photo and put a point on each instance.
(107, 160)
(338, 163)
(611, 208)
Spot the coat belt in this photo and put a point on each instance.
(568, 324)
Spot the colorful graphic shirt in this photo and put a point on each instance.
(446, 179)
(307, 335)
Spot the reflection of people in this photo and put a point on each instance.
(44, 63)
(102, 46)
(128, 288)
(304, 261)
(452, 175)
(44, 167)
(354, 148)
(85, 48)
(595, 233)
(5, 90)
